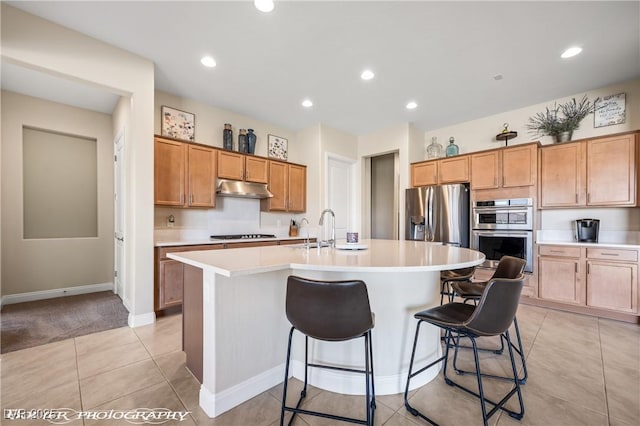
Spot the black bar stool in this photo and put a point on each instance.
(492, 317)
(447, 278)
(333, 311)
(509, 267)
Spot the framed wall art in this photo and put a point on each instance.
(277, 147)
(610, 110)
(178, 124)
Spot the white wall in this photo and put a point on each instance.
(478, 135)
(53, 263)
(393, 139)
(35, 43)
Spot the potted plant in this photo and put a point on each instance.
(562, 120)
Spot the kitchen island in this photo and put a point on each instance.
(235, 328)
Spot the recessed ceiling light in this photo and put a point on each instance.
(208, 61)
(367, 75)
(307, 103)
(497, 77)
(412, 105)
(570, 52)
(264, 5)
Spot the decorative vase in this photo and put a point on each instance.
(242, 141)
(251, 141)
(434, 150)
(563, 136)
(452, 148)
(227, 137)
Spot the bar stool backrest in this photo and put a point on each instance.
(497, 307)
(509, 267)
(328, 310)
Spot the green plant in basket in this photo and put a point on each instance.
(561, 120)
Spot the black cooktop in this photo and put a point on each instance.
(241, 236)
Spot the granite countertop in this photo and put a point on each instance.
(596, 245)
(607, 239)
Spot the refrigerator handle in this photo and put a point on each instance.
(429, 215)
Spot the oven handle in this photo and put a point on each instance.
(525, 234)
(504, 210)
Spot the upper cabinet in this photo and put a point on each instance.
(505, 168)
(184, 174)
(237, 166)
(288, 184)
(594, 172)
(442, 171)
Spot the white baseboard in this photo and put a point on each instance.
(218, 403)
(58, 292)
(141, 319)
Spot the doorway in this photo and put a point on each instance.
(119, 178)
(340, 193)
(384, 197)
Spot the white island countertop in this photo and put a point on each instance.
(380, 256)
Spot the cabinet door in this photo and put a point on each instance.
(230, 165)
(519, 166)
(256, 170)
(297, 183)
(612, 286)
(562, 175)
(611, 173)
(170, 283)
(169, 172)
(202, 177)
(559, 280)
(278, 181)
(423, 174)
(485, 170)
(454, 170)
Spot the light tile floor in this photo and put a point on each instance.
(582, 371)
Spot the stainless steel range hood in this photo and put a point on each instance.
(241, 189)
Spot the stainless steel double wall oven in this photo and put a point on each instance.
(503, 228)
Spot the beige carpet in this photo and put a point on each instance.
(29, 324)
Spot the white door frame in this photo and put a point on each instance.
(352, 220)
(119, 222)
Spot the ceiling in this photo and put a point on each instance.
(442, 55)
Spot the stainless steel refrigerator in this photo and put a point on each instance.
(438, 214)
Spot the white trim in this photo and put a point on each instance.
(215, 404)
(58, 292)
(140, 320)
(354, 384)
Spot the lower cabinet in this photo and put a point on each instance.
(591, 277)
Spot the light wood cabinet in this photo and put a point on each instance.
(598, 278)
(170, 165)
(612, 279)
(505, 168)
(201, 172)
(453, 169)
(184, 174)
(611, 172)
(443, 171)
(560, 275)
(288, 184)
(424, 173)
(594, 172)
(237, 166)
(169, 275)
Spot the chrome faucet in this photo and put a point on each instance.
(306, 242)
(332, 241)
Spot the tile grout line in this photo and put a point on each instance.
(75, 351)
(604, 377)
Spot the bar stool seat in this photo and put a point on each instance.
(332, 311)
(447, 278)
(492, 317)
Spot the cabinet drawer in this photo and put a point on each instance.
(163, 251)
(562, 251)
(251, 244)
(612, 254)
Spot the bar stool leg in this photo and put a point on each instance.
(373, 385)
(286, 378)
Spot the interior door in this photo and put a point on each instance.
(119, 231)
(340, 194)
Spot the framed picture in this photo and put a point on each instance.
(178, 124)
(277, 147)
(610, 110)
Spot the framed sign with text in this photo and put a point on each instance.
(610, 110)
